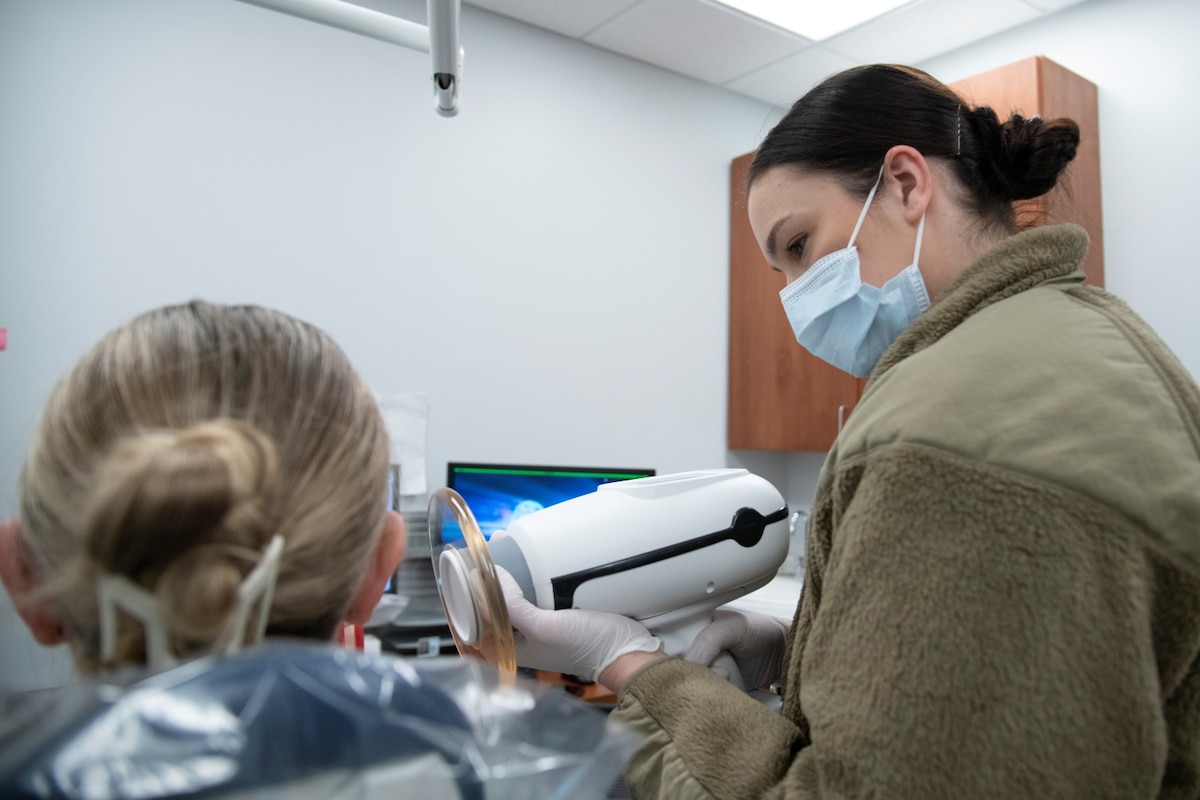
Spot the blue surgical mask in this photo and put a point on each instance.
(840, 319)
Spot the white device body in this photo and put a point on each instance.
(666, 550)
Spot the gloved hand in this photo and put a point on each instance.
(573, 641)
(756, 642)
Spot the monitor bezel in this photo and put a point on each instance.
(631, 473)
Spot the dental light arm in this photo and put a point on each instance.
(439, 38)
(446, 54)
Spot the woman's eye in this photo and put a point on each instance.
(796, 247)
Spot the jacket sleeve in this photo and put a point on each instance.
(978, 634)
(704, 738)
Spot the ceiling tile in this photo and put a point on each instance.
(1052, 5)
(568, 17)
(922, 30)
(783, 82)
(710, 42)
(696, 38)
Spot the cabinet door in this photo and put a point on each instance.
(1039, 86)
(780, 396)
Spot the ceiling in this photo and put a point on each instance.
(715, 44)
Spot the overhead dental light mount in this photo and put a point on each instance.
(439, 38)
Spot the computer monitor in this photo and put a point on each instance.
(497, 494)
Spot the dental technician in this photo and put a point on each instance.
(1003, 589)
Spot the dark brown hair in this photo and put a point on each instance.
(846, 124)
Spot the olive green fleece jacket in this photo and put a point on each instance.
(1002, 597)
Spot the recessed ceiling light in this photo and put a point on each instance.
(817, 19)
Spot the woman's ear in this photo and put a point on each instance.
(388, 554)
(908, 171)
(20, 580)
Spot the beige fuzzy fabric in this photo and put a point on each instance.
(1002, 597)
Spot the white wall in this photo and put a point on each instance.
(549, 268)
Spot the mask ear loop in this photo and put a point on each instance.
(259, 587)
(116, 591)
(917, 248)
(862, 215)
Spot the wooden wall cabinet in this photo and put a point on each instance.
(783, 398)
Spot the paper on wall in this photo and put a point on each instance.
(405, 415)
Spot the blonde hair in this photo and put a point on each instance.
(174, 451)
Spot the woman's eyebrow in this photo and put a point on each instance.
(772, 235)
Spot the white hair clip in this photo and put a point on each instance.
(116, 591)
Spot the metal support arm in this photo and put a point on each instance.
(439, 38)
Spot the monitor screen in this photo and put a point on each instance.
(497, 494)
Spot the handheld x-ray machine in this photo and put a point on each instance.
(665, 550)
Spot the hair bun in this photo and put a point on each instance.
(1024, 155)
(185, 514)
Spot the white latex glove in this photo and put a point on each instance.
(573, 641)
(756, 642)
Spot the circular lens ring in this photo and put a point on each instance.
(495, 642)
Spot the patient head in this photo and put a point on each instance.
(172, 454)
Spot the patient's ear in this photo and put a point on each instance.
(388, 555)
(20, 580)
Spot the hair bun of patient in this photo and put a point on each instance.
(137, 468)
(185, 514)
(1024, 155)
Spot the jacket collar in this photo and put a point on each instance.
(1046, 254)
